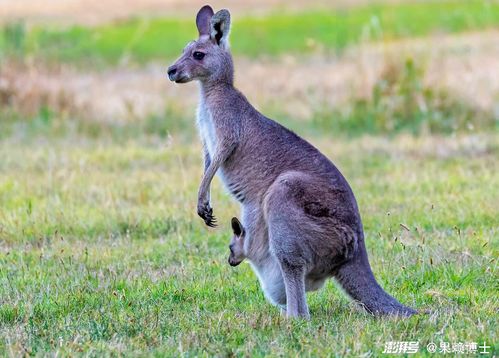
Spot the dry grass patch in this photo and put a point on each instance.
(465, 66)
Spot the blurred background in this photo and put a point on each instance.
(349, 67)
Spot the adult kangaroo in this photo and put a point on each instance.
(299, 215)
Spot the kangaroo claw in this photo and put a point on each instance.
(206, 213)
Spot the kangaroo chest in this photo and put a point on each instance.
(207, 129)
(208, 134)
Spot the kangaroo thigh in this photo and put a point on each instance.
(305, 223)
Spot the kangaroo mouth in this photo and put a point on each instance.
(233, 263)
(178, 77)
(183, 79)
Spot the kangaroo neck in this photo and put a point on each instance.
(214, 90)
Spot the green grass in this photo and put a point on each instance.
(141, 40)
(101, 251)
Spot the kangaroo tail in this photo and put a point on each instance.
(357, 278)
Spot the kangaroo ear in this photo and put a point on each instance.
(203, 20)
(237, 228)
(220, 28)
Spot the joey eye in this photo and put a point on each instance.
(198, 55)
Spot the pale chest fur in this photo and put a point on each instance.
(206, 129)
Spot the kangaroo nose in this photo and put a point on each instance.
(171, 72)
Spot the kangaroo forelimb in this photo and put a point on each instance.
(205, 211)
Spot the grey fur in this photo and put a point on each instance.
(300, 218)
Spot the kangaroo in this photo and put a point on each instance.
(299, 215)
(236, 245)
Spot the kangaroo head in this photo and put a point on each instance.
(237, 243)
(208, 58)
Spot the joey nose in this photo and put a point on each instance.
(172, 70)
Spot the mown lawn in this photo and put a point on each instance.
(141, 40)
(101, 251)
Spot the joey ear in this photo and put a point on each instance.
(203, 20)
(237, 227)
(220, 28)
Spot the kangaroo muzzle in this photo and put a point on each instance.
(172, 73)
(176, 75)
(233, 262)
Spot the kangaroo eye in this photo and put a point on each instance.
(198, 55)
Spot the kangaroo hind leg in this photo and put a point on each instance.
(294, 281)
(285, 246)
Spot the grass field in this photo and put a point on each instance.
(101, 250)
(141, 40)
